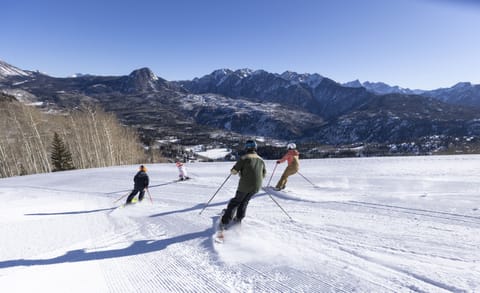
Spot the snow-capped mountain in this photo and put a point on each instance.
(463, 93)
(354, 113)
(311, 93)
(80, 75)
(289, 106)
(354, 83)
(312, 80)
(7, 70)
(244, 116)
(144, 80)
(382, 88)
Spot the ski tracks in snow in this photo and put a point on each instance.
(183, 257)
(332, 246)
(156, 257)
(176, 252)
(402, 262)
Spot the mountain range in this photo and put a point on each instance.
(287, 106)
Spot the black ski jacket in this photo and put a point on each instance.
(141, 180)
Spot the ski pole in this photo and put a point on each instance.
(272, 174)
(122, 196)
(149, 195)
(278, 205)
(307, 180)
(228, 177)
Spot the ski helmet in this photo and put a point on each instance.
(291, 146)
(250, 145)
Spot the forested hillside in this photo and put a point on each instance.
(93, 137)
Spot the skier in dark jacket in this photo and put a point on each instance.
(141, 181)
(251, 170)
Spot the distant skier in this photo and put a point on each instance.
(182, 171)
(251, 170)
(141, 181)
(292, 157)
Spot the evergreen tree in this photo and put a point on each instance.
(60, 155)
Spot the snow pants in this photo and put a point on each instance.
(290, 170)
(134, 192)
(237, 204)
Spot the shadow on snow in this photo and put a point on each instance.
(195, 207)
(70, 213)
(136, 248)
(151, 186)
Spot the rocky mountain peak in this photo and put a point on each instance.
(142, 80)
(7, 70)
(462, 85)
(312, 80)
(354, 83)
(309, 106)
(245, 72)
(143, 74)
(219, 73)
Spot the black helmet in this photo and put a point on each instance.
(250, 145)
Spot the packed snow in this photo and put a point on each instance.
(215, 154)
(398, 224)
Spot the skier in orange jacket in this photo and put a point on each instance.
(292, 157)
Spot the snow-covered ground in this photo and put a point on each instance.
(403, 224)
(215, 154)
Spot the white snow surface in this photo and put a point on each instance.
(215, 154)
(398, 224)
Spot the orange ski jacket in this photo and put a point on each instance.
(291, 156)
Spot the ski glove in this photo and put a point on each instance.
(234, 172)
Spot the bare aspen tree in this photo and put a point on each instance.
(83, 138)
(5, 169)
(8, 164)
(107, 129)
(42, 147)
(18, 161)
(4, 160)
(85, 144)
(25, 147)
(74, 142)
(95, 135)
(94, 138)
(17, 141)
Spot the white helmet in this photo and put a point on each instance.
(291, 146)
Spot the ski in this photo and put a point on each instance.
(272, 188)
(220, 237)
(269, 189)
(220, 234)
(134, 201)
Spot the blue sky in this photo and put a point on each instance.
(422, 44)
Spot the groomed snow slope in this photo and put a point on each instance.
(408, 224)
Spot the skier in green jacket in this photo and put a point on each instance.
(251, 169)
